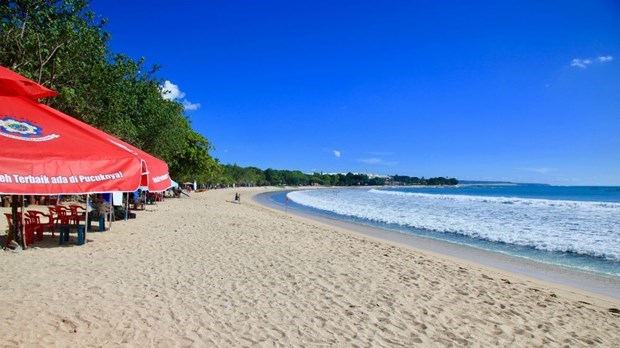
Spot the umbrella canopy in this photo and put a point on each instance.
(155, 177)
(45, 152)
(16, 88)
(13, 84)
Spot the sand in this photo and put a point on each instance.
(207, 272)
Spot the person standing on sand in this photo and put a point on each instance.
(238, 198)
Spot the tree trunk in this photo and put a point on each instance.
(17, 237)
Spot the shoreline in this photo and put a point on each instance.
(590, 283)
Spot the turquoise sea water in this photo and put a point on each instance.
(575, 227)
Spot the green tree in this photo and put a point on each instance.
(194, 160)
(62, 45)
(59, 44)
(273, 177)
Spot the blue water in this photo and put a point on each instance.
(575, 227)
(567, 193)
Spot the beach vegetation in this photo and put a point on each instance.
(252, 176)
(63, 46)
(415, 181)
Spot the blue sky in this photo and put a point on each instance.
(525, 91)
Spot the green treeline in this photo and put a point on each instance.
(63, 46)
(233, 174)
(408, 180)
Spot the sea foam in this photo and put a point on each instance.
(578, 227)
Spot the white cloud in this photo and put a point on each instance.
(190, 106)
(580, 63)
(584, 62)
(170, 91)
(337, 153)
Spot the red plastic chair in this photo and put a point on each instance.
(40, 224)
(66, 216)
(57, 218)
(30, 229)
(78, 212)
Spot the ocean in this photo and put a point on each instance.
(574, 227)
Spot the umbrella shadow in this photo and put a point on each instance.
(48, 242)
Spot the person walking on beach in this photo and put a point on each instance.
(238, 198)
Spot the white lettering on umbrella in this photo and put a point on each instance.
(31, 179)
(160, 178)
(6, 178)
(100, 177)
(60, 179)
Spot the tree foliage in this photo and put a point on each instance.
(63, 46)
(407, 180)
(233, 174)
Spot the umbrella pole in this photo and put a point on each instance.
(111, 210)
(86, 219)
(14, 231)
(127, 207)
(23, 224)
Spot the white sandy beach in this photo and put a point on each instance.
(206, 272)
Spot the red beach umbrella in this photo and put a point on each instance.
(43, 152)
(155, 176)
(153, 171)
